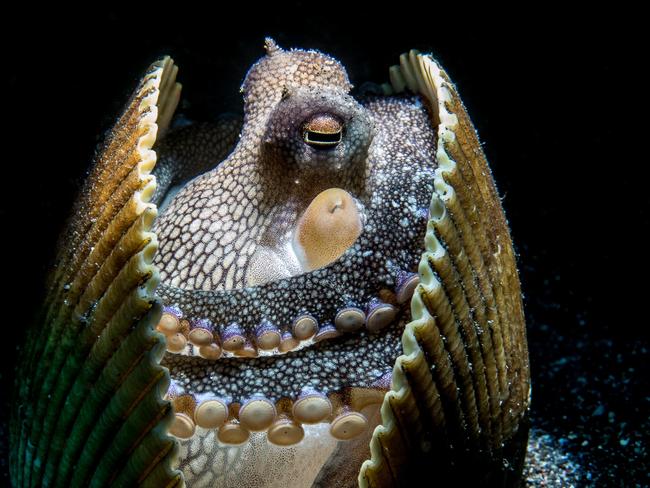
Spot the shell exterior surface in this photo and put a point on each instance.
(295, 362)
(463, 381)
(89, 407)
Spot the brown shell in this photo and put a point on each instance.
(90, 408)
(460, 391)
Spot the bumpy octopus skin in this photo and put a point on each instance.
(246, 249)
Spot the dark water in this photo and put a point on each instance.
(548, 95)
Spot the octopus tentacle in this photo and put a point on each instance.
(377, 272)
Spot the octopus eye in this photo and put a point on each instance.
(323, 131)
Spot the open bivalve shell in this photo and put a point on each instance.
(294, 360)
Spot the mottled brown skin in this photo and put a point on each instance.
(212, 229)
(190, 151)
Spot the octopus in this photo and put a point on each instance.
(320, 293)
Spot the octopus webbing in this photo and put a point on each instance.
(320, 293)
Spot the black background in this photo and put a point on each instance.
(547, 91)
